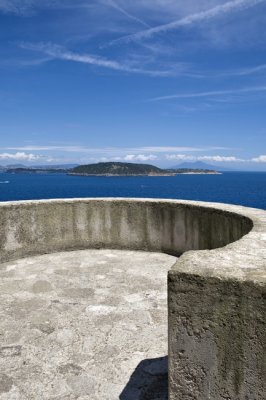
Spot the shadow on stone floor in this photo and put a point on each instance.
(149, 381)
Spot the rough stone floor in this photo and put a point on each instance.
(88, 324)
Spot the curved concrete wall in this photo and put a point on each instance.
(172, 227)
(217, 307)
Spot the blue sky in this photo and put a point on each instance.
(157, 81)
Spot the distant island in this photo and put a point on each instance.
(120, 169)
(108, 169)
(131, 169)
(21, 168)
(33, 170)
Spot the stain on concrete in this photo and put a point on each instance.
(46, 328)
(84, 293)
(41, 287)
(6, 383)
(71, 369)
(10, 351)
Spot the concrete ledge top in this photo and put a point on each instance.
(242, 260)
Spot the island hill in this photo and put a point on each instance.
(131, 169)
(120, 169)
(108, 169)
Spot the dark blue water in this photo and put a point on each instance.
(245, 188)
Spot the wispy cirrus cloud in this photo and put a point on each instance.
(123, 11)
(15, 6)
(157, 58)
(244, 71)
(164, 149)
(55, 51)
(24, 62)
(59, 52)
(22, 7)
(214, 93)
(30, 7)
(113, 150)
(214, 12)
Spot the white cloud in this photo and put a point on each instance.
(140, 157)
(259, 159)
(217, 158)
(220, 159)
(219, 10)
(138, 154)
(129, 157)
(20, 156)
(179, 157)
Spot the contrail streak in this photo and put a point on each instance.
(224, 9)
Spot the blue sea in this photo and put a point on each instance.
(244, 188)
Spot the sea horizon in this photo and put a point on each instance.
(240, 188)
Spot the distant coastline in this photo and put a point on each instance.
(196, 171)
(113, 169)
(193, 172)
(113, 175)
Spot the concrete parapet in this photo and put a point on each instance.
(174, 227)
(216, 289)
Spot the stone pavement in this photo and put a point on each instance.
(88, 324)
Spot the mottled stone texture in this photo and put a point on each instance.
(73, 328)
(217, 333)
(216, 295)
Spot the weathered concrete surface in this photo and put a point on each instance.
(84, 325)
(217, 319)
(173, 227)
(216, 296)
(217, 343)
